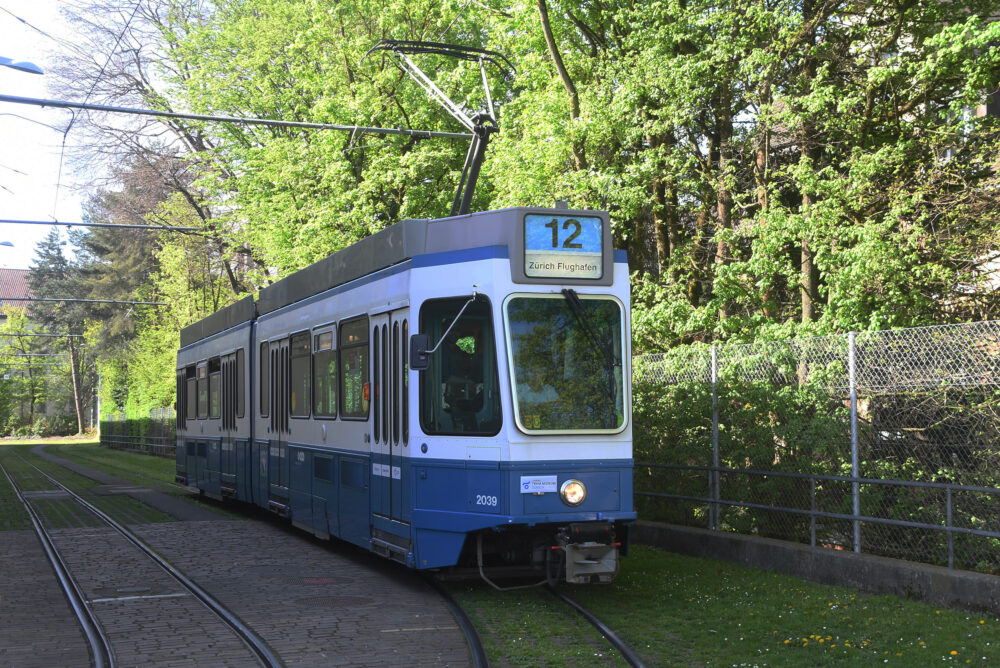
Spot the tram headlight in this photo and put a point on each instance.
(573, 492)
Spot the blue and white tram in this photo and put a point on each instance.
(445, 392)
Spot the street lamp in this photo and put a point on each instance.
(23, 66)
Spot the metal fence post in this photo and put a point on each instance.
(951, 534)
(714, 479)
(855, 473)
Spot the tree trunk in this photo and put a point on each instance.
(665, 219)
(808, 274)
(579, 156)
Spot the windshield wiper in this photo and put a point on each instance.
(576, 307)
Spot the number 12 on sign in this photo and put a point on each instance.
(563, 246)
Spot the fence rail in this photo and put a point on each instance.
(881, 442)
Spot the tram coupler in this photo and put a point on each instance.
(591, 553)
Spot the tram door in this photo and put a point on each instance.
(389, 413)
(277, 457)
(230, 389)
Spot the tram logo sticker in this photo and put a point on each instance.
(563, 246)
(538, 484)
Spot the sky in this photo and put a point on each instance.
(29, 152)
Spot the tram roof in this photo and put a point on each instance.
(223, 319)
(396, 243)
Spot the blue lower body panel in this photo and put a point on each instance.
(439, 505)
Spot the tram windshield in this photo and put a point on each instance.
(566, 360)
(460, 391)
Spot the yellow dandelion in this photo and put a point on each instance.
(953, 652)
(982, 621)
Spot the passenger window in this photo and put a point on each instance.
(324, 376)
(459, 392)
(406, 384)
(377, 382)
(180, 402)
(202, 392)
(355, 393)
(241, 389)
(191, 411)
(214, 388)
(395, 382)
(265, 388)
(300, 351)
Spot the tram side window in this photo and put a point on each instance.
(241, 379)
(460, 391)
(214, 388)
(265, 387)
(300, 351)
(179, 402)
(354, 388)
(191, 398)
(203, 392)
(406, 382)
(324, 375)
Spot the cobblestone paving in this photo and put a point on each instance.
(148, 617)
(316, 604)
(37, 626)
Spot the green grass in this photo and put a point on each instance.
(137, 468)
(681, 611)
(531, 627)
(677, 610)
(132, 466)
(16, 459)
(13, 516)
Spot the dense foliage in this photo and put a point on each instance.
(773, 168)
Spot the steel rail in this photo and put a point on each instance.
(100, 646)
(479, 657)
(630, 657)
(261, 650)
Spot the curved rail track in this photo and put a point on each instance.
(100, 647)
(476, 649)
(627, 653)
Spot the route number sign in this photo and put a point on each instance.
(563, 246)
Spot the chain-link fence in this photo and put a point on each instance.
(154, 435)
(881, 442)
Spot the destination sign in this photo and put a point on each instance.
(563, 246)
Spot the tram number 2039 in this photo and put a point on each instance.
(486, 500)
